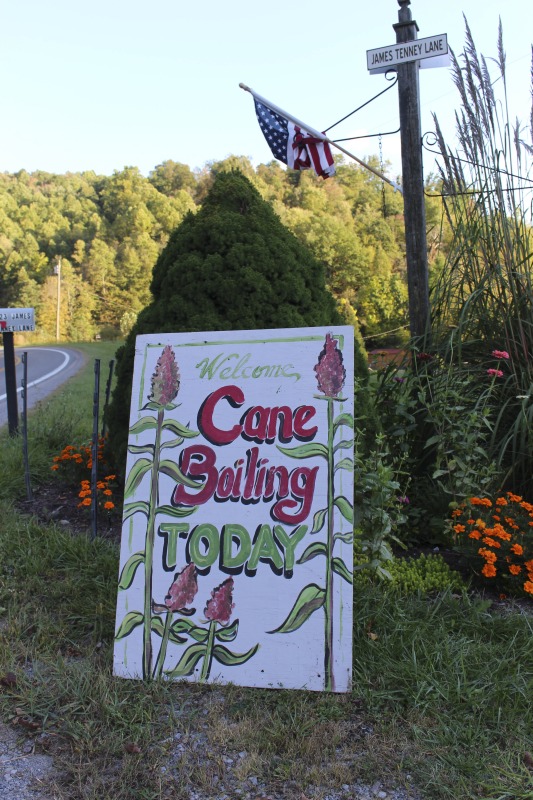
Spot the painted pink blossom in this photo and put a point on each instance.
(220, 606)
(183, 589)
(166, 378)
(495, 373)
(330, 371)
(500, 354)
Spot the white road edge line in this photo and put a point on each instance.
(49, 374)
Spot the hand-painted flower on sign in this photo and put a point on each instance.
(329, 370)
(166, 379)
(220, 606)
(330, 374)
(183, 589)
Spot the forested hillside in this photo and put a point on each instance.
(104, 234)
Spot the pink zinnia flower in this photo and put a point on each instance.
(496, 373)
(166, 378)
(183, 589)
(500, 354)
(220, 606)
(330, 371)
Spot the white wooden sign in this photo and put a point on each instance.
(433, 50)
(15, 320)
(236, 554)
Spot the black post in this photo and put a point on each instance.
(11, 383)
(413, 179)
(27, 474)
(94, 470)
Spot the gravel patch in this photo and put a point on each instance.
(23, 772)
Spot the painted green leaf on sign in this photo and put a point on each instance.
(344, 445)
(142, 425)
(343, 419)
(174, 426)
(158, 625)
(341, 569)
(192, 630)
(344, 507)
(129, 569)
(313, 550)
(305, 450)
(229, 659)
(141, 448)
(132, 508)
(129, 623)
(344, 537)
(228, 634)
(188, 661)
(173, 471)
(319, 520)
(137, 473)
(308, 601)
(171, 511)
(173, 443)
(345, 463)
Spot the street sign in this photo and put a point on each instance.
(16, 320)
(381, 59)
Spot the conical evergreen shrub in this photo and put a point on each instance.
(230, 266)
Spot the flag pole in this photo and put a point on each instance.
(320, 136)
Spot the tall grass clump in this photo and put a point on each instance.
(458, 412)
(483, 300)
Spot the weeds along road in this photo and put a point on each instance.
(48, 368)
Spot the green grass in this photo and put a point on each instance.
(443, 682)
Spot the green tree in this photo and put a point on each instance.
(231, 266)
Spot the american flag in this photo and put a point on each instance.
(294, 145)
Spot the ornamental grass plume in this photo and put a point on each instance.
(497, 538)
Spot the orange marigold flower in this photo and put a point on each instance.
(100, 485)
(480, 524)
(456, 512)
(517, 549)
(491, 542)
(515, 498)
(489, 571)
(481, 501)
(84, 493)
(107, 492)
(110, 477)
(528, 587)
(459, 528)
(86, 502)
(109, 505)
(529, 564)
(501, 501)
(515, 569)
(474, 535)
(471, 521)
(54, 467)
(488, 555)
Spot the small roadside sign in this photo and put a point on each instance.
(17, 320)
(431, 50)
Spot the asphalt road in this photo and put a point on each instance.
(48, 368)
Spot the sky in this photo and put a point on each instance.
(114, 83)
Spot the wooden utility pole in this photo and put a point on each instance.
(413, 179)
